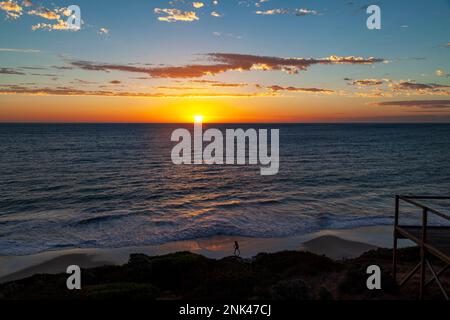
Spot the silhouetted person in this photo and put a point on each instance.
(237, 251)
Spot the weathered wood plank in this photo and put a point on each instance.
(437, 239)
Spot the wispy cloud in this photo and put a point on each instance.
(19, 50)
(223, 62)
(424, 104)
(297, 12)
(103, 31)
(12, 9)
(198, 5)
(277, 88)
(227, 34)
(216, 14)
(273, 12)
(365, 82)
(45, 13)
(11, 71)
(59, 26)
(174, 15)
(289, 65)
(259, 3)
(441, 73)
(228, 85)
(389, 88)
(412, 87)
(56, 15)
(69, 91)
(305, 12)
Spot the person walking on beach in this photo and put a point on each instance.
(237, 251)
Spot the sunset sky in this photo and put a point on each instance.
(228, 60)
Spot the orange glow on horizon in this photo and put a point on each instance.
(184, 110)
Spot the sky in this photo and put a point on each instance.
(227, 60)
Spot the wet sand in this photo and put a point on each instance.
(336, 244)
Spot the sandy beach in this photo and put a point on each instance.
(335, 244)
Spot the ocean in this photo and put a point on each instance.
(114, 185)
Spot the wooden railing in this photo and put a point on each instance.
(421, 240)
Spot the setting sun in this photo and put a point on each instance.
(198, 119)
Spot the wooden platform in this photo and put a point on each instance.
(437, 239)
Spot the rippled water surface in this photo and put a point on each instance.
(66, 186)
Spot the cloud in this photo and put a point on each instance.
(223, 62)
(60, 25)
(33, 68)
(82, 82)
(57, 15)
(69, 91)
(19, 50)
(259, 3)
(12, 8)
(10, 71)
(273, 12)
(228, 85)
(180, 88)
(365, 82)
(216, 84)
(419, 88)
(104, 31)
(49, 75)
(203, 81)
(173, 15)
(45, 13)
(297, 12)
(62, 67)
(198, 5)
(304, 12)
(115, 82)
(227, 34)
(188, 71)
(392, 88)
(305, 90)
(375, 93)
(424, 104)
(441, 73)
(290, 65)
(216, 14)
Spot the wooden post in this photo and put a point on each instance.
(423, 253)
(394, 254)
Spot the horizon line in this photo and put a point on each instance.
(223, 123)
